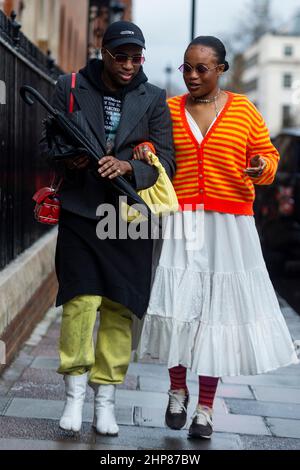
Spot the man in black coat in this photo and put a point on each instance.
(111, 274)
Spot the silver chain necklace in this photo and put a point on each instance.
(209, 100)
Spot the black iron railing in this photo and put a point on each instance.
(22, 171)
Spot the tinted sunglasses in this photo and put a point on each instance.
(200, 68)
(123, 58)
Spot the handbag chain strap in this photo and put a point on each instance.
(56, 185)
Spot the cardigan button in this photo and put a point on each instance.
(200, 176)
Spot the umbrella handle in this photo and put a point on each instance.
(26, 90)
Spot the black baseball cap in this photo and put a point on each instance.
(123, 32)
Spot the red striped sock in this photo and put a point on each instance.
(178, 378)
(207, 390)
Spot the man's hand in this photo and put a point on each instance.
(257, 166)
(78, 163)
(111, 167)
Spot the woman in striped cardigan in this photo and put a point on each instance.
(213, 308)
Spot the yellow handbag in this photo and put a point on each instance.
(160, 198)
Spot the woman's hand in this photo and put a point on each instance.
(141, 152)
(257, 166)
(111, 167)
(77, 163)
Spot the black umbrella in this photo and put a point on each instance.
(76, 130)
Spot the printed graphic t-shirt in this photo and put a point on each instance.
(112, 114)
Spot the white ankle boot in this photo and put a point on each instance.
(75, 391)
(104, 414)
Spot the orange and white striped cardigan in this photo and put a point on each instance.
(211, 173)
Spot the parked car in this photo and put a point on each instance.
(277, 210)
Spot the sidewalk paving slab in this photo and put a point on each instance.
(34, 444)
(4, 403)
(241, 424)
(130, 437)
(293, 370)
(42, 429)
(269, 443)
(238, 424)
(168, 439)
(284, 427)
(126, 401)
(52, 409)
(277, 394)
(48, 385)
(46, 362)
(264, 408)
(159, 400)
(265, 379)
(148, 370)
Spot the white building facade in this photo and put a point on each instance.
(271, 79)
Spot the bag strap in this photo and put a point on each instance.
(56, 185)
(73, 85)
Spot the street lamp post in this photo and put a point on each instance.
(193, 19)
(169, 72)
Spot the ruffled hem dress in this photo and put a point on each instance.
(213, 308)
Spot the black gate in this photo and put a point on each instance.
(21, 169)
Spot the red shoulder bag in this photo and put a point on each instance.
(47, 203)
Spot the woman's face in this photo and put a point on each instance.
(200, 84)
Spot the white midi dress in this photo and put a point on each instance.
(213, 308)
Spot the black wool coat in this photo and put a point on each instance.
(119, 269)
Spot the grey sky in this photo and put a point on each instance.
(166, 25)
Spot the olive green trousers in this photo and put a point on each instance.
(107, 363)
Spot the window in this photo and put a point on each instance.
(288, 50)
(286, 116)
(287, 80)
(251, 85)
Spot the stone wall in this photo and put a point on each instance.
(27, 289)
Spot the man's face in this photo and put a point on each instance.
(121, 74)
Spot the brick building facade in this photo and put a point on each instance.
(68, 28)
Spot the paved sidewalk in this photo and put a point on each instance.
(258, 412)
